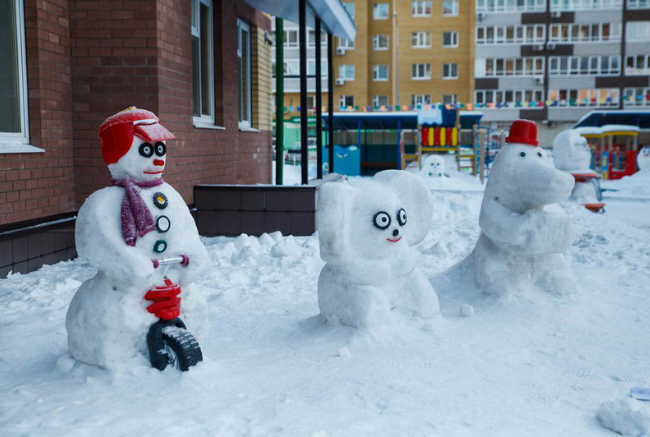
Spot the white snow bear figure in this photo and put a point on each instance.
(120, 230)
(524, 233)
(643, 160)
(433, 167)
(366, 231)
(571, 152)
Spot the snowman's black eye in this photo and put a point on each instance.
(146, 150)
(401, 217)
(161, 149)
(381, 220)
(539, 154)
(522, 154)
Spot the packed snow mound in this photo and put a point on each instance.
(366, 230)
(626, 416)
(636, 185)
(524, 232)
(643, 159)
(571, 152)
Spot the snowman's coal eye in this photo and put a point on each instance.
(522, 154)
(539, 154)
(401, 217)
(161, 149)
(146, 150)
(381, 220)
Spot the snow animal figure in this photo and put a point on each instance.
(571, 153)
(120, 230)
(524, 233)
(433, 167)
(366, 231)
(643, 159)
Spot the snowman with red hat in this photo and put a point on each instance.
(140, 236)
(524, 232)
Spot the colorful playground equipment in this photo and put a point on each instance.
(614, 149)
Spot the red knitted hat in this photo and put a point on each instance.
(523, 132)
(116, 133)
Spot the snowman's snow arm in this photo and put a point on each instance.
(501, 224)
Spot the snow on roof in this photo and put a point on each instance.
(609, 128)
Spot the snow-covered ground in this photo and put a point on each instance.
(531, 365)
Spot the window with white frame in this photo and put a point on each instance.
(585, 32)
(495, 67)
(450, 39)
(349, 7)
(291, 67)
(584, 5)
(638, 4)
(421, 8)
(637, 64)
(380, 11)
(420, 71)
(450, 71)
(311, 41)
(14, 131)
(291, 38)
(244, 71)
(346, 72)
(636, 97)
(596, 97)
(311, 66)
(202, 62)
(490, 98)
(519, 34)
(379, 101)
(380, 42)
(421, 40)
(450, 8)
(638, 31)
(380, 73)
(420, 99)
(347, 44)
(510, 5)
(584, 65)
(346, 102)
(449, 99)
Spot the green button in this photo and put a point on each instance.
(160, 246)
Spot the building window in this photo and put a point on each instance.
(346, 102)
(421, 71)
(595, 97)
(636, 97)
(347, 44)
(420, 99)
(450, 39)
(202, 62)
(380, 11)
(515, 98)
(13, 78)
(311, 66)
(350, 8)
(586, 32)
(244, 57)
(346, 72)
(380, 73)
(583, 5)
(449, 99)
(379, 101)
(510, 5)
(421, 40)
(494, 67)
(638, 4)
(520, 34)
(638, 31)
(311, 103)
(450, 8)
(291, 67)
(450, 71)
(421, 8)
(380, 42)
(291, 38)
(584, 65)
(311, 41)
(637, 64)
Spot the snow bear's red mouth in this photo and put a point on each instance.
(395, 240)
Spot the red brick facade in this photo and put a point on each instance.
(86, 60)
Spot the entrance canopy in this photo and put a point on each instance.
(374, 120)
(334, 17)
(641, 119)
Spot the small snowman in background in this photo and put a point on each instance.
(643, 159)
(433, 167)
(124, 231)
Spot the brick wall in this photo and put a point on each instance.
(88, 59)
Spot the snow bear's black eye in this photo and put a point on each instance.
(522, 154)
(146, 150)
(161, 149)
(401, 217)
(381, 220)
(539, 154)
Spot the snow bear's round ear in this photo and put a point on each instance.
(415, 198)
(333, 213)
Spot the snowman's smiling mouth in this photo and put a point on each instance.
(395, 240)
(153, 172)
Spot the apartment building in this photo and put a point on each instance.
(553, 61)
(406, 53)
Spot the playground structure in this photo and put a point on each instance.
(614, 149)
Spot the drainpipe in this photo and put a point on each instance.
(279, 100)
